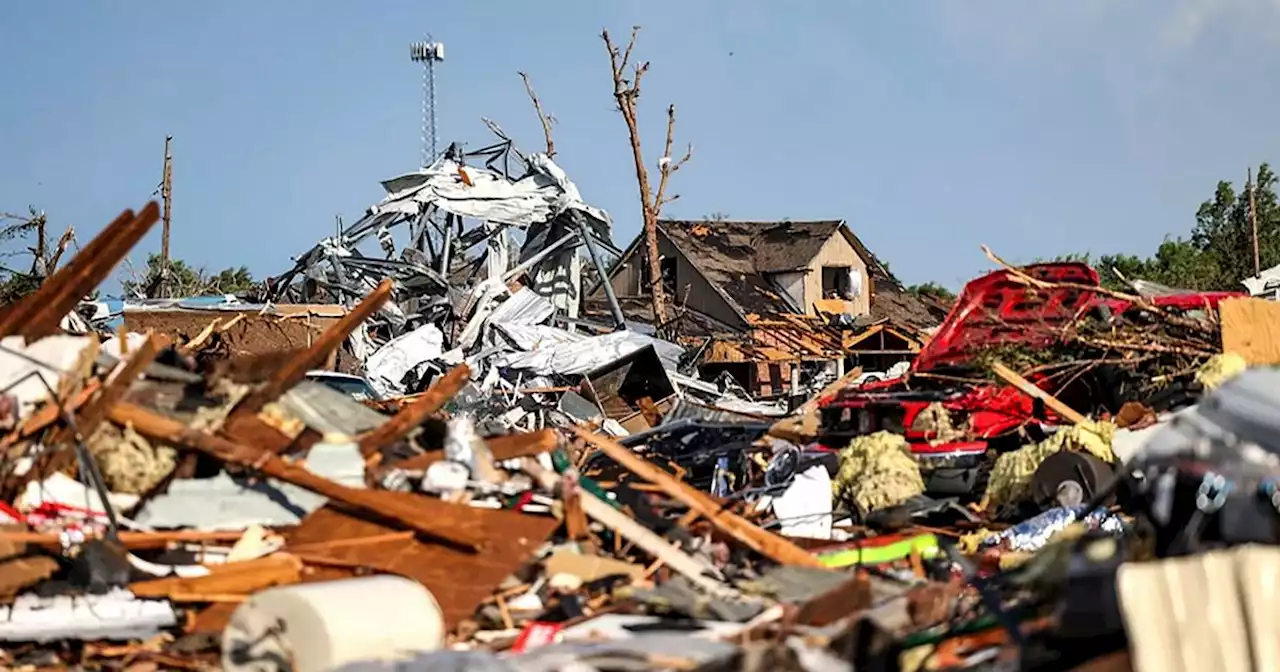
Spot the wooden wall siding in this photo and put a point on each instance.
(692, 289)
(836, 252)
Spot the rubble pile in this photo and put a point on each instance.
(506, 485)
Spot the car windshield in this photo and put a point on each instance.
(355, 387)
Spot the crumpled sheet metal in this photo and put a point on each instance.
(541, 196)
(560, 352)
(877, 471)
(1010, 480)
(1034, 533)
(387, 366)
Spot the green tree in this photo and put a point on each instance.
(27, 236)
(933, 290)
(184, 280)
(1219, 252)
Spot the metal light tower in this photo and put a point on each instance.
(428, 53)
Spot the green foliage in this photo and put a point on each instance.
(933, 290)
(184, 280)
(1219, 252)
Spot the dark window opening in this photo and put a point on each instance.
(835, 283)
(668, 266)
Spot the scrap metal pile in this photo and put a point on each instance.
(528, 491)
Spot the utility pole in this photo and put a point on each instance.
(166, 194)
(1253, 219)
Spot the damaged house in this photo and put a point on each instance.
(775, 300)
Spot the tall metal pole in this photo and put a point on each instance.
(428, 53)
(1253, 219)
(166, 194)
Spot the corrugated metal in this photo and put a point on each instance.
(523, 307)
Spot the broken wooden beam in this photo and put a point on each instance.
(411, 416)
(505, 447)
(128, 539)
(1030, 389)
(113, 390)
(430, 517)
(235, 578)
(765, 543)
(295, 368)
(40, 313)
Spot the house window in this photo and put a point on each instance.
(668, 266)
(837, 282)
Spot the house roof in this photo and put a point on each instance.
(735, 256)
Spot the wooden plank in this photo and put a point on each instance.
(508, 447)
(67, 287)
(20, 313)
(1029, 388)
(428, 516)
(295, 369)
(1251, 329)
(765, 543)
(235, 578)
(646, 539)
(113, 390)
(130, 540)
(411, 416)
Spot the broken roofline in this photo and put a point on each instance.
(876, 270)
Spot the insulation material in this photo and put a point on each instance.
(877, 471)
(1219, 369)
(130, 463)
(937, 420)
(1010, 481)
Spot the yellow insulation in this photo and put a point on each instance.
(1010, 481)
(877, 471)
(1219, 369)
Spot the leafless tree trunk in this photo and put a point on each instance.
(626, 92)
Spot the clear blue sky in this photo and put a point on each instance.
(932, 127)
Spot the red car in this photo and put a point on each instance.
(993, 310)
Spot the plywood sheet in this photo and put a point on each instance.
(459, 580)
(1251, 328)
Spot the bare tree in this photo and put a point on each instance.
(543, 117)
(626, 92)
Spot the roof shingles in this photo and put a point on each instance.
(737, 255)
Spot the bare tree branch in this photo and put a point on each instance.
(666, 165)
(545, 119)
(626, 94)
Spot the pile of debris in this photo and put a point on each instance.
(507, 486)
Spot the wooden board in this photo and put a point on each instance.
(1251, 328)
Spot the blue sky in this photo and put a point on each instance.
(931, 126)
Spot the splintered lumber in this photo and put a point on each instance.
(234, 578)
(112, 391)
(128, 539)
(295, 368)
(1029, 388)
(40, 313)
(427, 516)
(50, 414)
(765, 543)
(409, 417)
(644, 538)
(506, 447)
